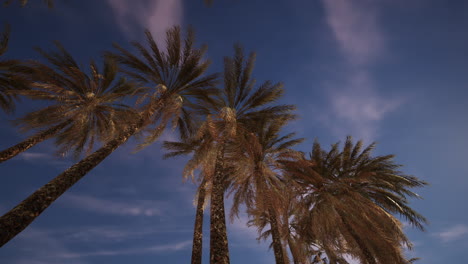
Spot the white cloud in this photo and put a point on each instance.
(453, 233)
(89, 203)
(354, 25)
(356, 108)
(154, 15)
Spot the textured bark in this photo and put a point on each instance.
(276, 237)
(294, 251)
(219, 251)
(18, 218)
(197, 246)
(30, 142)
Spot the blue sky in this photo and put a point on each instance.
(390, 71)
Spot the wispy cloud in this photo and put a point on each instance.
(93, 204)
(43, 157)
(355, 107)
(35, 252)
(154, 15)
(242, 234)
(33, 156)
(112, 234)
(145, 250)
(52, 249)
(453, 233)
(354, 25)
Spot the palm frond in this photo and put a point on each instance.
(90, 100)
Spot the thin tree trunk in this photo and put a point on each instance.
(294, 251)
(18, 218)
(198, 229)
(30, 142)
(276, 237)
(219, 250)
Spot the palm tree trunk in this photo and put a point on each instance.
(18, 218)
(276, 237)
(294, 251)
(219, 250)
(30, 142)
(197, 246)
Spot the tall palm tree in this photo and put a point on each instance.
(197, 246)
(49, 3)
(348, 200)
(235, 110)
(178, 77)
(85, 109)
(8, 80)
(201, 160)
(257, 184)
(230, 113)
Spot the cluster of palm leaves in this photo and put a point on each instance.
(327, 207)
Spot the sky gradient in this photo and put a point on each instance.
(390, 71)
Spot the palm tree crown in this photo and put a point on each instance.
(90, 103)
(177, 75)
(259, 161)
(257, 183)
(348, 200)
(8, 80)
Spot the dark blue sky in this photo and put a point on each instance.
(390, 71)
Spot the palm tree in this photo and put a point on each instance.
(197, 246)
(8, 80)
(202, 161)
(257, 184)
(235, 110)
(348, 198)
(49, 3)
(289, 207)
(177, 75)
(86, 107)
(229, 113)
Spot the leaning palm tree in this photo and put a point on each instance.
(8, 80)
(348, 198)
(257, 184)
(49, 3)
(85, 109)
(178, 76)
